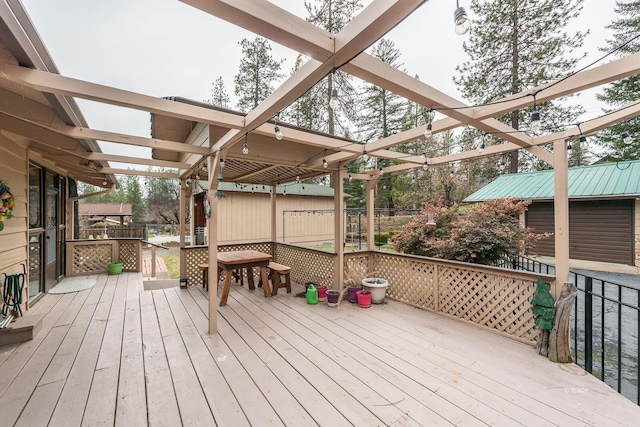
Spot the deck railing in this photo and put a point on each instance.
(493, 298)
(93, 256)
(606, 324)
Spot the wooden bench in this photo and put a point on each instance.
(205, 275)
(275, 276)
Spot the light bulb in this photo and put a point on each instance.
(381, 171)
(221, 163)
(452, 173)
(583, 141)
(245, 148)
(324, 163)
(197, 176)
(425, 165)
(535, 122)
(462, 21)
(481, 148)
(297, 178)
(278, 133)
(350, 178)
(427, 132)
(569, 148)
(334, 102)
(365, 157)
(104, 181)
(626, 138)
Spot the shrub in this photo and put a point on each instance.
(481, 234)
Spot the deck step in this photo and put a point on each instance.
(22, 329)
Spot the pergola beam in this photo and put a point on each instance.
(138, 173)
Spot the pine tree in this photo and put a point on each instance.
(133, 195)
(257, 74)
(617, 94)
(219, 95)
(515, 45)
(332, 16)
(382, 115)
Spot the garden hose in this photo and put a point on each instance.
(12, 293)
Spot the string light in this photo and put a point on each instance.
(381, 171)
(365, 157)
(626, 138)
(425, 165)
(428, 131)
(535, 115)
(461, 20)
(276, 129)
(245, 146)
(334, 102)
(221, 163)
(481, 148)
(104, 181)
(569, 148)
(350, 178)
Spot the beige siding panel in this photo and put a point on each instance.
(246, 217)
(13, 239)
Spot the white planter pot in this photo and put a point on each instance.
(378, 288)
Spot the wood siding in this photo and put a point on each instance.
(246, 217)
(13, 239)
(599, 230)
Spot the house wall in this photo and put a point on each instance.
(13, 238)
(247, 217)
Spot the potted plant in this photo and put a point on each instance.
(115, 267)
(377, 286)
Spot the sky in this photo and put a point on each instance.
(167, 48)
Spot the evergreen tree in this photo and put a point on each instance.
(332, 16)
(257, 74)
(307, 110)
(133, 195)
(617, 94)
(515, 45)
(163, 199)
(219, 95)
(382, 115)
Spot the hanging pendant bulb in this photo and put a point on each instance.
(381, 171)
(324, 163)
(334, 102)
(481, 148)
(569, 148)
(626, 138)
(197, 176)
(461, 20)
(298, 178)
(425, 165)
(350, 178)
(221, 163)
(245, 148)
(278, 132)
(104, 181)
(365, 156)
(583, 141)
(428, 131)
(536, 126)
(452, 173)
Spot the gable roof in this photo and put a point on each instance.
(606, 180)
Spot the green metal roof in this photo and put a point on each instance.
(294, 189)
(602, 180)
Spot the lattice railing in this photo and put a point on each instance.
(357, 267)
(493, 298)
(92, 256)
(307, 265)
(129, 254)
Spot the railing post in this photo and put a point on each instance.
(436, 287)
(588, 325)
(153, 261)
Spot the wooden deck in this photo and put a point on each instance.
(115, 354)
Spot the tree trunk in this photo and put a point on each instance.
(560, 337)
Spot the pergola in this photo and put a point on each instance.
(188, 134)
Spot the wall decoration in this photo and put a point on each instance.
(7, 203)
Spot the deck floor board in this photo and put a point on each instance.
(118, 355)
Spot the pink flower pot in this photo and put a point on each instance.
(322, 293)
(364, 298)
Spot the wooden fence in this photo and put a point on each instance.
(92, 256)
(116, 232)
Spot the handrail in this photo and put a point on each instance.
(154, 247)
(154, 244)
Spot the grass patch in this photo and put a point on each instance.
(173, 265)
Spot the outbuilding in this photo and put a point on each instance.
(604, 209)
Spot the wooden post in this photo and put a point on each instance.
(561, 213)
(153, 261)
(274, 219)
(214, 169)
(560, 336)
(183, 214)
(338, 202)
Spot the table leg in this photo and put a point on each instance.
(252, 284)
(265, 282)
(227, 286)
